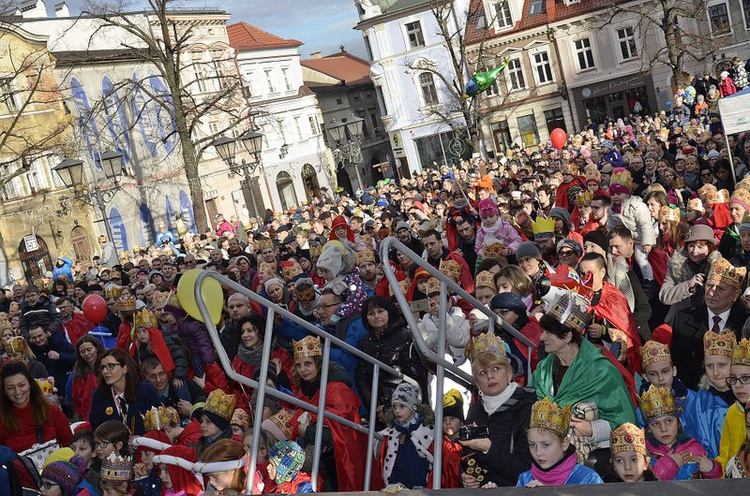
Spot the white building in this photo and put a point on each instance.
(407, 52)
(296, 162)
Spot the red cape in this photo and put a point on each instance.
(613, 307)
(450, 477)
(82, 391)
(77, 327)
(721, 217)
(190, 435)
(159, 347)
(561, 198)
(124, 336)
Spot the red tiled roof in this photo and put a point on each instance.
(243, 36)
(343, 66)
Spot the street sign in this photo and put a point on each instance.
(31, 243)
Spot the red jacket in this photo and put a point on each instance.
(77, 327)
(24, 437)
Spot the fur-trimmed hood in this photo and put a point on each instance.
(681, 268)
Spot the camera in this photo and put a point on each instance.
(469, 432)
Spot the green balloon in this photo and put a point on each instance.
(482, 80)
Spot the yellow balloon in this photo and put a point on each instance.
(211, 291)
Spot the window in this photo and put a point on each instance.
(12, 188)
(528, 130)
(199, 71)
(375, 122)
(269, 81)
(298, 126)
(537, 7)
(10, 94)
(339, 101)
(429, 91)
(626, 38)
(542, 67)
(585, 54)
(414, 33)
(313, 125)
(218, 57)
(503, 16)
(719, 19)
(555, 118)
(746, 12)
(515, 80)
(287, 81)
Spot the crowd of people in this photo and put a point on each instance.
(621, 257)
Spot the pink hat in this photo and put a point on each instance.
(487, 207)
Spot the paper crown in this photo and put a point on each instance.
(365, 256)
(628, 437)
(696, 204)
(547, 415)
(432, 286)
(571, 310)
(116, 468)
(264, 244)
(584, 198)
(305, 295)
(569, 168)
(164, 298)
(492, 249)
(267, 268)
(658, 402)
(623, 178)
(486, 343)
(18, 344)
(113, 291)
(309, 346)
(126, 304)
(290, 269)
(742, 197)
(316, 250)
(710, 195)
(158, 418)
(281, 424)
(241, 418)
(543, 228)
(145, 318)
(485, 279)
(47, 384)
(724, 272)
(669, 214)
(592, 174)
(654, 351)
(451, 269)
(719, 344)
(741, 353)
(221, 404)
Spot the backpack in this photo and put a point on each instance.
(12, 467)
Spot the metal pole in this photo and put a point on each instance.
(437, 463)
(103, 211)
(247, 191)
(371, 426)
(321, 410)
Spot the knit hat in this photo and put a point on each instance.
(487, 208)
(59, 455)
(528, 249)
(560, 213)
(607, 144)
(332, 258)
(570, 243)
(288, 458)
(406, 394)
(403, 225)
(67, 475)
(598, 239)
(713, 154)
(274, 281)
(508, 301)
(453, 404)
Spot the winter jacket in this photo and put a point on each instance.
(680, 270)
(739, 77)
(636, 217)
(195, 335)
(727, 87)
(66, 269)
(60, 368)
(44, 314)
(457, 330)
(502, 231)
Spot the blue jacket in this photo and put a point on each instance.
(579, 475)
(104, 408)
(66, 269)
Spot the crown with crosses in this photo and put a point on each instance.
(658, 402)
(628, 437)
(719, 344)
(547, 415)
(116, 468)
(309, 346)
(486, 343)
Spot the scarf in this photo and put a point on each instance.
(493, 403)
(410, 425)
(250, 357)
(558, 473)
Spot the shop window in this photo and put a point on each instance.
(528, 130)
(585, 54)
(718, 16)
(503, 138)
(626, 39)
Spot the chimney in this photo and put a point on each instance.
(61, 10)
(316, 55)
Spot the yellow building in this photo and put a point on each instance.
(39, 221)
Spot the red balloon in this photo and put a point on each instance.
(558, 138)
(95, 308)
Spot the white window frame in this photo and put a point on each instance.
(298, 127)
(421, 33)
(712, 4)
(576, 52)
(313, 122)
(535, 65)
(199, 70)
(270, 84)
(421, 87)
(619, 41)
(509, 71)
(10, 94)
(287, 79)
(745, 18)
(505, 24)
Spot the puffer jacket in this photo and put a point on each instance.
(457, 330)
(395, 347)
(675, 291)
(44, 314)
(636, 217)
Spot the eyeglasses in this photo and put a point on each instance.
(329, 305)
(566, 253)
(745, 380)
(48, 485)
(109, 366)
(101, 444)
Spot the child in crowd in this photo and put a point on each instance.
(493, 226)
(83, 445)
(674, 456)
(116, 476)
(175, 471)
(453, 419)
(630, 461)
(739, 465)
(285, 461)
(145, 471)
(734, 433)
(554, 457)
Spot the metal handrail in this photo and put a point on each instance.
(439, 358)
(263, 390)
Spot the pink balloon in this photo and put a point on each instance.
(558, 138)
(95, 308)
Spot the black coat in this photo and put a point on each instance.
(688, 329)
(104, 408)
(44, 314)
(509, 454)
(60, 368)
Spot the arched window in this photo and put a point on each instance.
(285, 185)
(119, 233)
(147, 225)
(35, 258)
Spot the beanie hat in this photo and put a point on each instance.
(528, 249)
(65, 474)
(59, 455)
(406, 394)
(403, 225)
(453, 404)
(713, 154)
(570, 243)
(274, 281)
(560, 213)
(598, 239)
(508, 301)
(607, 144)
(331, 258)
(487, 207)
(288, 458)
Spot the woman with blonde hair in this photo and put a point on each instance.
(18, 351)
(512, 279)
(672, 230)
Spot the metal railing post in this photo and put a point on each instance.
(321, 409)
(437, 457)
(371, 425)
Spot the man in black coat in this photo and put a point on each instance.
(54, 351)
(38, 310)
(721, 312)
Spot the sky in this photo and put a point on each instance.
(322, 25)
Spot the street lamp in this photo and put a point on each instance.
(252, 142)
(347, 137)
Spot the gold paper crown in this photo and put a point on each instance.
(485, 279)
(316, 250)
(404, 285)
(669, 214)
(584, 198)
(592, 174)
(492, 250)
(157, 419)
(724, 272)
(116, 468)
(622, 178)
(569, 168)
(18, 344)
(715, 344)
(432, 286)
(486, 343)
(364, 256)
(628, 437)
(267, 268)
(221, 404)
(145, 318)
(126, 304)
(47, 384)
(543, 227)
(113, 291)
(240, 417)
(164, 298)
(741, 353)
(290, 270)
(549, 416)
(264, 243)
(309, 346)
(707, 192)
(654, 351)
(741, 196)
(305, 295)
(451, 269)
(658, 402)
(283, 420)
(696, 204)
(571, 310)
